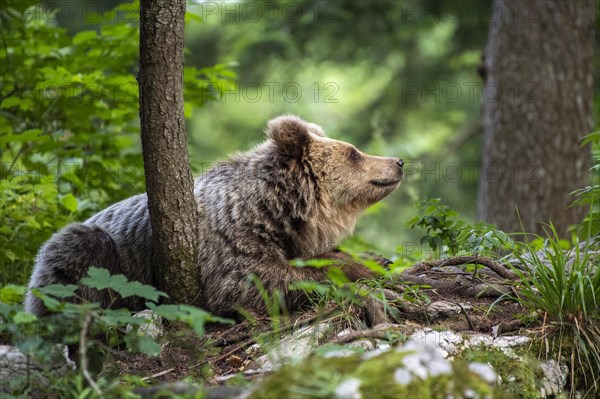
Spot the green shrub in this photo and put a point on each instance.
(69, 123)
(87, 324)
(447, 234)
(563, 286)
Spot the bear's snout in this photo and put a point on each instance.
(400, 162)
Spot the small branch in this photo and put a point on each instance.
(373, 333)
(507, 326)
(498, 268)
(83, 354)
(285, 328)
(231, 351)
(225, 342)
(160, 373)
(466, 315)
(24, 146)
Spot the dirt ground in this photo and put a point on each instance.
(223, 351)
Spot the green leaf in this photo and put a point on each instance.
(188, 110)
(197, 318)
(69, 202)
(131, 288)
(169, 312)
(49, 302)
(310, 287)
(337, 276)
(192, 17)
(101, 279)
(122, 316)
(10, 102)
(12, 293)
(97, 278)
(147, 346)
(31, 135)
(143, 344)
(192, 316)
(59, 290)
(84, 36)
(316, 263)
(24, 318)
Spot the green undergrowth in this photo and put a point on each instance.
(94, 330)
(319, 376)
(563, 288)
(520, 374)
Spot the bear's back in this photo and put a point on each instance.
(128, 222)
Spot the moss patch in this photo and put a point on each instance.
(519, 375)
(312, 377)
(319, 377)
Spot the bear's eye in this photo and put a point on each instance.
(354, 155)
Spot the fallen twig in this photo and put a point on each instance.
(83, 354)
(220, 342)
(507, 326)
(466, 315)
(373, 333)
(249, 341)
(160, 373)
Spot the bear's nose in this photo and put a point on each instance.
(400, 162)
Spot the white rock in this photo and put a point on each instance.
(470, 394)
(402, 376)
(339, 353)
(295, 346)
(382, 345)
(439, 309)
(365, 344)
(374, 353)
(439, 366)
(449, 341)
(349, 389)
(508, 341)
(485, 371)
(15, 365)
(152, 328)
(345, 332)
(554, 380)
(425, 359)
(351, 348)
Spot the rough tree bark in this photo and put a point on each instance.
(169, 184)
(537, 105)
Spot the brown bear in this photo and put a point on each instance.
(295, 196)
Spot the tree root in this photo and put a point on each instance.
(372, 333)
(498, 268)
(461, 288)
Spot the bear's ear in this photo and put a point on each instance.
(315, 129)
(290, 133)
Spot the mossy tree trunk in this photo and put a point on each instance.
(537, 106)
(169, 184)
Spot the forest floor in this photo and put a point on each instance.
(444, 300)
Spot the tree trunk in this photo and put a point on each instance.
(537, 105)
(169, 184)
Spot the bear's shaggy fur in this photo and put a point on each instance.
(294, 196)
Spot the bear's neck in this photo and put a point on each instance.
(325, 228)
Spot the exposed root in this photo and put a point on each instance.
(498, 268)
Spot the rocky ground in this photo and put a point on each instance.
(429, 333)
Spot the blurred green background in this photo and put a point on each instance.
(396, 78)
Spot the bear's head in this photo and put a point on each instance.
(348, 176)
